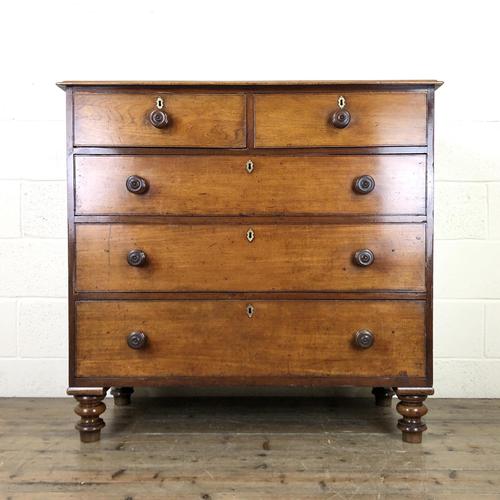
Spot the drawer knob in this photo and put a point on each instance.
(136, 258)
(158, 118)
(341, 118)
(136, 184)
(364, 184)
(364, 339)
(136, 340)
(364, 257)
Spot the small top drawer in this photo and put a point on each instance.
(363, 119)
(159, 119)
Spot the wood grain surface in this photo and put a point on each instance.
(377, 119)
(195, 120)
(220, 185)
(218, 257)
(282, 338)
(180, 448)
(251, 83)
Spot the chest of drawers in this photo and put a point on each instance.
(250, 234)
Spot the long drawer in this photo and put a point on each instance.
(306, 120)
(192, 120)
(258, 185)
(221, 338)
(242, 257)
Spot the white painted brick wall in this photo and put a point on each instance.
(494, 209)
(393, 40)
(458, 319)
(40, 322)
(10, 209)
(492, 327)
(461, 210)
(44, 209)
(8, 327)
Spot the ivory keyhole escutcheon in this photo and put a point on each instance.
(250, 310)
(250, 235)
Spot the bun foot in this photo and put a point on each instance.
(87, 436)
(89, 409)
(383, 396)
(411, 407)
(121, 395)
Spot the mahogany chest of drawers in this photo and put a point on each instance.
(250, 233)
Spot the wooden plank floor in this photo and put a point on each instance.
(255, 448)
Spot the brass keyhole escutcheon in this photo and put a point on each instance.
(250, 310)
(250, 235)
(249, 166)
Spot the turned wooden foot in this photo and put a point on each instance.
(89, 409)
(122, 395)
(411, 407)
(383, 396)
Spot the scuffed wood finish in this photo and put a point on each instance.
(250, 448)
(282, 338)
(221, 185)
(220, 258)
(377, 119)
(195, 120)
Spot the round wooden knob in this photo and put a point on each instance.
(136, 258)
(364, 184)
(136, 184)
(158, 118)
(364, 257)
(341, 118)
(136, 340)
(364, 339)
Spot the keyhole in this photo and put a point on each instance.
(249, 166)
(341, 101)
(159, 103)
(250, 310)
(250, 235)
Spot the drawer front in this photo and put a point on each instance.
(226, 185)
(216, 257)
(194, 120)
(305, 120)
(218, 338)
